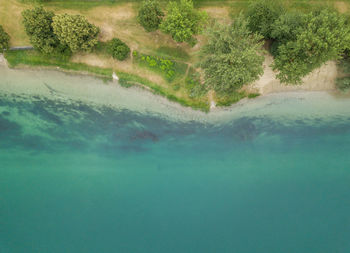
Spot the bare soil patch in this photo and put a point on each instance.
(341, 6)
(320, 79)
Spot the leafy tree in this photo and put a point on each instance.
(324, 36)
(150, 15)
(38, 26)
(4, 40)
(183, 21)
(233, 56)
(288, 26)
(75, 31)
(118, 49)
(262, 14)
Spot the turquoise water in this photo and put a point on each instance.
(82, 178)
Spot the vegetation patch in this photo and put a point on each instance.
(169, 69)
(118, 49)
(4, 40)
(193, 84)
(227, 100)
(130, 80)
(173, 52)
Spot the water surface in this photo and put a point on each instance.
(77, 177)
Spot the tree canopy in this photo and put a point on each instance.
(183, 21)
(75, 31)
(261, 14)
(38, 26)
(232, 57)
(4, 40)
(150, 15)
(322, 36)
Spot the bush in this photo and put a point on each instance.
(38, 26)
(118, 49)
(4, 40)
(183, 21)
(164, 66)
(75, 31)
(150, 15)
(262, 14)
(343, 84)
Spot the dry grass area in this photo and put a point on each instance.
(341, 6)
(11, 20)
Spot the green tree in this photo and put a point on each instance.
(288, 26)
(38, 26)
(150, 15)
(4, 40)
(75, 31)
(118, 49)
(262, 14)
(324, 36)
(183, 21)
(232, 57)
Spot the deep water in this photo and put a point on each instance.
(82, 178)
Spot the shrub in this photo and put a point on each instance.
(262, 14)
(118, 49)
(183, 21)
(164, 66)
(75, 31)
(38, 26)
(150, 15)
(343, 84)
(4, 40)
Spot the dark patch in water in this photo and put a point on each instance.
(144, 135)
(8, 127)
(244, 129)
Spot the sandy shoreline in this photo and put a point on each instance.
(71, 87)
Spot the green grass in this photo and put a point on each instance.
(33, 58)
(177, 69)
(171, 52)
(227, 100)
(130, 80)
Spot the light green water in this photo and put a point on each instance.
(269, 176)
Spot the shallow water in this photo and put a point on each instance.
(77, 177)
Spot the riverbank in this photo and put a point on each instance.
(72, 88)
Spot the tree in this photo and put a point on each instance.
(262, 14)
(38, 26)
(75, 31)
(4, 40)
(232, 57)
(288, 26)
(183, 21)
(150, 15)
(324, 36)
(118, 49)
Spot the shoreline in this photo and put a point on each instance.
(72, 86)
